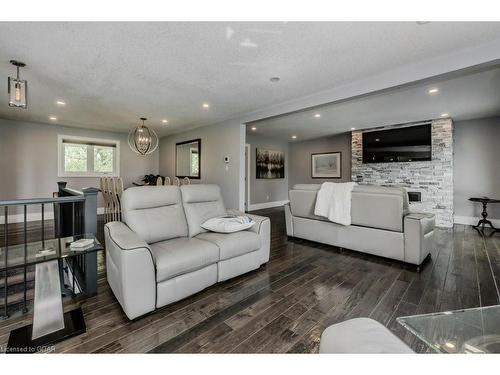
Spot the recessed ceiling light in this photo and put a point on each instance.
(433, 91)
(164, 121)
(60, 102)
(377, 139)
(274, 79)
(353, 128)
(294, 137)
(444, 115)
(206, 105)
(53, 118)
(317, 115)
(254, 128)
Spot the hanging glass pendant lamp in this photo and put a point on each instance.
(143, 140)
(18, 88)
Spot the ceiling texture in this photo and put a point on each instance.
(110, 74)
(467, 96)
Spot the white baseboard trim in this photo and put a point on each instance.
(471, 220)
(260, 206)
(36, 216)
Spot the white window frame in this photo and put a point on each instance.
(61, 139)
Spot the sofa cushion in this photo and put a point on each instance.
(182, 255)
(232, 244)
(361, 335)
(201, 202)
(155, 213)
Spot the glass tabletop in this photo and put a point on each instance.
(474, 330)
(43, 251)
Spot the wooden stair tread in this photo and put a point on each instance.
(19, 297)
(16, 279)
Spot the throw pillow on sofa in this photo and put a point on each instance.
(228, 224)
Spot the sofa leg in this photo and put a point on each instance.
(419, 267)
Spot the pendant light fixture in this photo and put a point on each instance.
(143, 140)
(18, 88)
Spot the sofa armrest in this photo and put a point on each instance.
(418, 236)
(130, 269)
(263, 228)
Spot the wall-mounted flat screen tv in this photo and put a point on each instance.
(412, 143)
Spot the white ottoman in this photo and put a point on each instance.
(361, 335)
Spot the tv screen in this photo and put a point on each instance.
(412, 143)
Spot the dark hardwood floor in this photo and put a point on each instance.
(285, 305)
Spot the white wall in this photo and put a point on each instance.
(300, 158)
(477, 167)
(28, 159)
(217, 141)
(263, 191)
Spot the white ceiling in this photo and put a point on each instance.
(467, 96)
(109, 74)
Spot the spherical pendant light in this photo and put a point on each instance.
(143, 140)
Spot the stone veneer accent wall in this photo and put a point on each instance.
(434, 179)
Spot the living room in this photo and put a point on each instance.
(250, 187)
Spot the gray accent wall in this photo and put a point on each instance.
(477, 165)
(217, 141)
(28, 159)
(267, 190)
(300, 158)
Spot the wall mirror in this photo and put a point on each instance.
(188, 159)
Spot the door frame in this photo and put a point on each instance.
(248, 175)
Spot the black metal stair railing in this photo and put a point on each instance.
(75, 213)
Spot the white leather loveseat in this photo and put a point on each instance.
(160, 254)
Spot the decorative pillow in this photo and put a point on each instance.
(228, 224)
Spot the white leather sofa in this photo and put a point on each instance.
(381, 223)
(160, 254)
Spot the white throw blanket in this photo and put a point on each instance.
(334, 202)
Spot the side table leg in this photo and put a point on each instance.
(50, 325)
(484, 214)
(48, 311)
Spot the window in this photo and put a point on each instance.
(87, 157)
(194, 162)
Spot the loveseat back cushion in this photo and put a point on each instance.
(201, 202)
(155, 213)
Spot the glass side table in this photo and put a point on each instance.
(475, 330)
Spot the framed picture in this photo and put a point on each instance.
(326, 165)
(269, 164)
